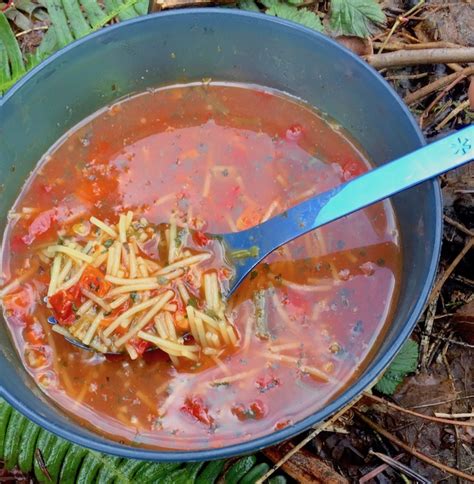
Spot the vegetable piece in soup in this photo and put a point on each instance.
(108, 240)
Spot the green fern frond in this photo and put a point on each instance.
(70, 20)
(26, 446)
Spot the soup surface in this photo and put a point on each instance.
(217, 158)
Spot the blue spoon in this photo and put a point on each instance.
(245, 249)
(375, 185)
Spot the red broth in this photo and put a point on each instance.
(221, 157)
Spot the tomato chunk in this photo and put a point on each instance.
(196, 408)
(40, 225)
(93, 280)
(64, 304)
(255, 411)
(140, 345)
(200, 238)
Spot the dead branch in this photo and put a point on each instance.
(459, 226)
(304, 466)
(423, 56)
(416, 453)
(318, 429)
(437, 85)
(375, 472)
(388, 404)
(444, 402)
(461, 107)
(401, 467)
(435, 101)
(445, 276)
(393, 46)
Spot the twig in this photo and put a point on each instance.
(423, 56)
(35, 29)
(456, 430)
(416, 453)
(429, 321)
(464, 280)
(308, 438)
(382, 401)
(454, 415)
(449, 340)
(444, 402)
(436, 85)
(423, 45)
(375, 472)
(438, 98)
(407, 76)
(401, 467)
(304, 466)
(461, 107)
(444, 277)
(400, 19)
(459, 226)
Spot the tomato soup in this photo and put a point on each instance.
(213, 158)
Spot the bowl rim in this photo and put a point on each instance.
(344, 398)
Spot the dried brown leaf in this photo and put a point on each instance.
(358, 45)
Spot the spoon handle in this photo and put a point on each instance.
(375, 185)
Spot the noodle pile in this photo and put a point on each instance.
(106, 292)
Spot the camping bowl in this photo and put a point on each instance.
(230, 45)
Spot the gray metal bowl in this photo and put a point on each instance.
(224, 44)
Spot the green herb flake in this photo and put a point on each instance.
(162, 280)
(193, 302)
(212, 314)
(245, 253)
(108, 243)
(134, 296)
(405, 362)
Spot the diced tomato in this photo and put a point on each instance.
(64, 303)
(41, 224)
(294, 132)
(267, 382)
(17, 244)
(140, 345)
(195, 407)
(20, 304)
(93, 280)
(282, 424)
(33, 337)
(255, 411)
(200, 238)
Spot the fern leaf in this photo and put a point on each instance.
(59, 21)
(116, 12)
(7, 38)
(124, 12)
(141, 7)
(78, 24)
(48, 45)
(4, 66)
(94, 13)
